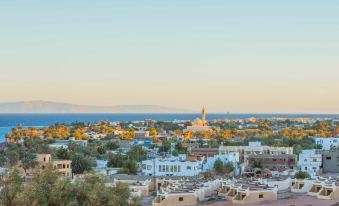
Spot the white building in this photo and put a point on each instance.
(172, 166)
(310, 161)
(327, 143)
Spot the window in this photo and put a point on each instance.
(261, 195)
(179, 169)
(274, 160)
(149, 167)
(171, 168)
(328, 158)
(188, 168)
(181, 199)
(305, 168)
(159, 168)
(167, 168)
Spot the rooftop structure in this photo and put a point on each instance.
(184, 192)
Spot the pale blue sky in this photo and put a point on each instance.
(237, 56)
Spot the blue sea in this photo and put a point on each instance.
(8, 121)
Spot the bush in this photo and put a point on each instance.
(301, 175)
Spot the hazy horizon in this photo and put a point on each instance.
(254, 57)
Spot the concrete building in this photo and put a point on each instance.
(64, 143)
(172, 166)
(185, 192)
(245, 192)
(254, 148)
(141, 135)
(206, 152)
(327, 189)
(330, 161)
(327, 143)
(62, 167)
(280, 162)
(310, 161)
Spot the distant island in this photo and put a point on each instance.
(58, 107)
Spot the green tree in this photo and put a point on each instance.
(112, 145)
(218, 166)
(80, 164)
(301, 175)
(11, 186)
(29, 161)
(229, 167)
(63, 153)
(137, 153)
(101, 149)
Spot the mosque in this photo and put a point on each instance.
(200, 125)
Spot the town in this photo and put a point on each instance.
(180, 162)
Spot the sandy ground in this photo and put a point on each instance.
(294, 201)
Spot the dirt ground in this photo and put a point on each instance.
(294, 201)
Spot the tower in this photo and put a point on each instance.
(203, 116)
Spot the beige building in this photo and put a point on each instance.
(62, 167)
(243, 192)
(184, 192)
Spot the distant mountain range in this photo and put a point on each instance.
(57, 107)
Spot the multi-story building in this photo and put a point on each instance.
(327, 143)
(310, 161)
(206, 152)
(330, 161)
(254, 148)
(62, 167)
(172, 166)
(280, 162)
(141, 135)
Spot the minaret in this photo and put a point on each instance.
(203, 116)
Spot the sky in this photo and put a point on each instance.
(254, 56)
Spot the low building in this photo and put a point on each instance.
(172, 166)
(310, 161)
(138, 188)
(62, 167)
(280, 162)
(64, 143)
(245, 192)
(185, 192)
(327, 189)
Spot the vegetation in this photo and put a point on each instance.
(48, 188)
(220, 167)
(301, 175)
